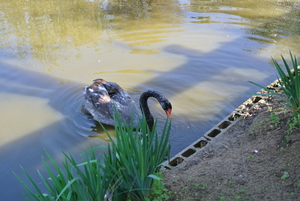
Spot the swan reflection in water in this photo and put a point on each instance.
(102, 96)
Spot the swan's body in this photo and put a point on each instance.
(102, 96)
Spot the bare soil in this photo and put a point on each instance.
(258, 158)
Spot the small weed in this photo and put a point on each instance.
(196, 186)
(287, 138)
(222, 198)
(191, 179)
(242, 191)
(250, 156)
(204, 186)
(298, 185)
(292, 194)
(281, 148)
(196, 194)
(185, 188)
(293, 123)
(290, 163)
(238, 197)
(158, 190)
(229, 182)
(274, 119)
(285, 175)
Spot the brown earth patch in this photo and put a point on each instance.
(258, 158)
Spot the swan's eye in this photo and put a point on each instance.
(168, 105)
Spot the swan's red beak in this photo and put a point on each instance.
(168, 112)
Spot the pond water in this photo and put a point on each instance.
(200, 54)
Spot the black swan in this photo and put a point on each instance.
(101, 96)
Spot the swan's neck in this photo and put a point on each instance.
(145, 108)
(165, 104)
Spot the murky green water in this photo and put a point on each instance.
(200, 54)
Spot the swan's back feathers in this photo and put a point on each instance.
(102, 96)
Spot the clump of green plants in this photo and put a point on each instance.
(158, 190)
(289, 82)
(287, 138)
(127, 171)
(185, 188)
(134, 158)
(293, 123)
(274, 119)
(285, 175)
(222, 198)
(71, 183)
(204, 186)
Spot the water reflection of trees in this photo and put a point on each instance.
(270, 20)
(49, 29)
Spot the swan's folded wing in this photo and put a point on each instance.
(117, 94)
(113, 88)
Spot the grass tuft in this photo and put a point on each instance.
(140, 153)
(131, 164)
(289, 82)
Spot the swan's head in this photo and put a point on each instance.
(167, 106)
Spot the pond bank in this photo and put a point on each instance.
(258, 158)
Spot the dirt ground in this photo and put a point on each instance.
(258, 158)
